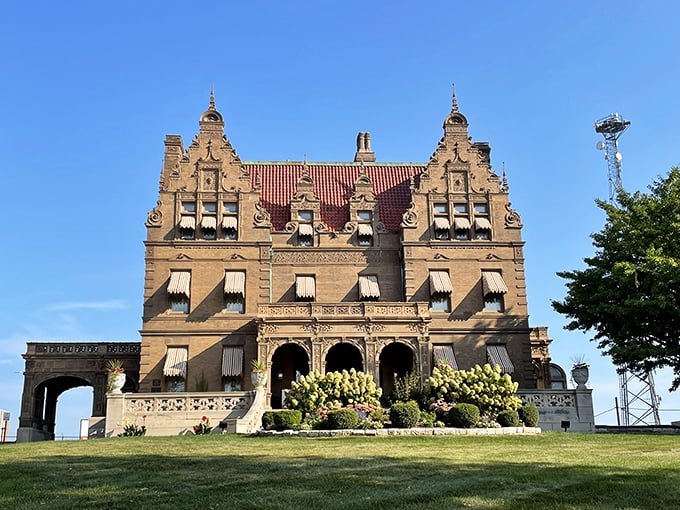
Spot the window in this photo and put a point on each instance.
(443, 355)
(497, 354)
(493, 303)
(234, 291)
(178, 291)
(305, 228)
(482, 223)
(440, 291)
(442, 226)
(460, 208)
(558, 378)
(365, 216)
(365, 228)
(481, 209)
(305, 288)
(209, 220)
(232, 368)
(175, 368)
(369, 290)
(493, 288)
(187, 221)
(305, 216)
(230, 220)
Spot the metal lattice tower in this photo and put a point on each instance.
(639, 401)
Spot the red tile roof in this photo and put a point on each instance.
(334, 185)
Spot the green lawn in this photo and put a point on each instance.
(551, 470)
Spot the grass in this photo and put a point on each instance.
(551, 470)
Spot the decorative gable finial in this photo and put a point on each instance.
(212, 98)
(454, 103)
(504, 186)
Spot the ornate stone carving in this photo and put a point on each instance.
(350, 227)
(422, 328)
(155, 216)
(549, 399)
(512, 219)
(291, 226)
(369, 327)
(266, 329)
(322, 257)
(410, 218)
(315, 327)
(261, 218)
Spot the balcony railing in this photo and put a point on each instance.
(362, 310)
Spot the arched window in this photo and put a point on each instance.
(558, 377)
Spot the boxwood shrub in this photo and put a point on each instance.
(508, 418)
(404, 415)
(464, 416)
(285, 419)
(268, 420)
(342, 419)
(528, 413)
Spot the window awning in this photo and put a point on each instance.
(440, 283)
(441, 223)
(493, 283)
(305, 230)
(365, 230)
(368, 287)
(180, 282)
(498, 355)
(444, 354)
(461, 224)
(209, 223)
(232, 361)
(235, 283)
(176, 362)
(482, 224)
(305, 287)
(229, 223)
(188, 222)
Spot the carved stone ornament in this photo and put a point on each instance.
(315, 328)
(421, 327)
(410, 218)
(456, 154)
(380, 228)
(350, 227)
(512, 219)
(155, 216)
(291, 226)
(266, 329)
(261, 218)
(369, 327)
(321, 227)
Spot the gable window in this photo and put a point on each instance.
(230, 220)
(187, 221)
(482, 223)
(494, 289)
(305, 288)
(305, 228)
(234, 291)
(209, 220)
(442, 225)
(440, 291)
(178, 291)
(365, 228)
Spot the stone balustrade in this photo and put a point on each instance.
(361, 310)
(558, 407)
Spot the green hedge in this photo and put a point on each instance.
(282, 419)
(464, 416)
(508, 418)
(342, 419)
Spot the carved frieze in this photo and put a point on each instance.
(315, 327)
(327, 257)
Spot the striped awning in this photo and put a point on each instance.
(187, 222)
(444, 354)
(482, 224)
(235, 283)
(441, 223)
(209, 223)
(180, 282)
(461, 224)
(365, 230)
(232, 361)
(440, 283)
(229, 223)
(305, 287)
(176, 362)
(492, 283)
(368, 287)
(305, 230)
(498, 355)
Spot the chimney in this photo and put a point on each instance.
(364, 152)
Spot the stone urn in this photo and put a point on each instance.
(258, 378)
(116, 381)
(580, 374)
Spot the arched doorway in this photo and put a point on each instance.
(344, 356)
(289, 362)
(396, 359)
(45, 397)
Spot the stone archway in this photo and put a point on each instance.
(289, 362)
(396, 359)
(344, 356)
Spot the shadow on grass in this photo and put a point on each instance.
(249, 481)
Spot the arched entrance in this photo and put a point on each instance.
(344, 356)
(289, 362)
(396, 360)
(45, 396)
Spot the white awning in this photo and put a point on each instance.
(492, 283)
(368, 287)
(188, 222)
(305, 230)
(440, 283)
(180, 282)
(209, 223)
(229, 223)
(305, 287)
(176, 362)
(482, 224)
(441, 223)
(461, 224)
(235, 283)
(498, 355)
(232, 361)
(444, 354)
(365, 230)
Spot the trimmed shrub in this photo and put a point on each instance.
(427, 419)
(287, 419)
(342, 419)
(404, 415)
(508, 418)
(268, 420)
(464, 416)
(528, 413)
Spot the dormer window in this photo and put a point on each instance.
(365, 228)
(305, 228)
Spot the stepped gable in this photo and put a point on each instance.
(334, 185)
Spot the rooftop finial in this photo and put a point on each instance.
(505, 179)
(212, 98)
(454, 105)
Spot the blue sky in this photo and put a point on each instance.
(89, 92)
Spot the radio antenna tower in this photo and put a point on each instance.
(635, 388)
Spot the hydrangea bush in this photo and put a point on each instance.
(485, 387)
